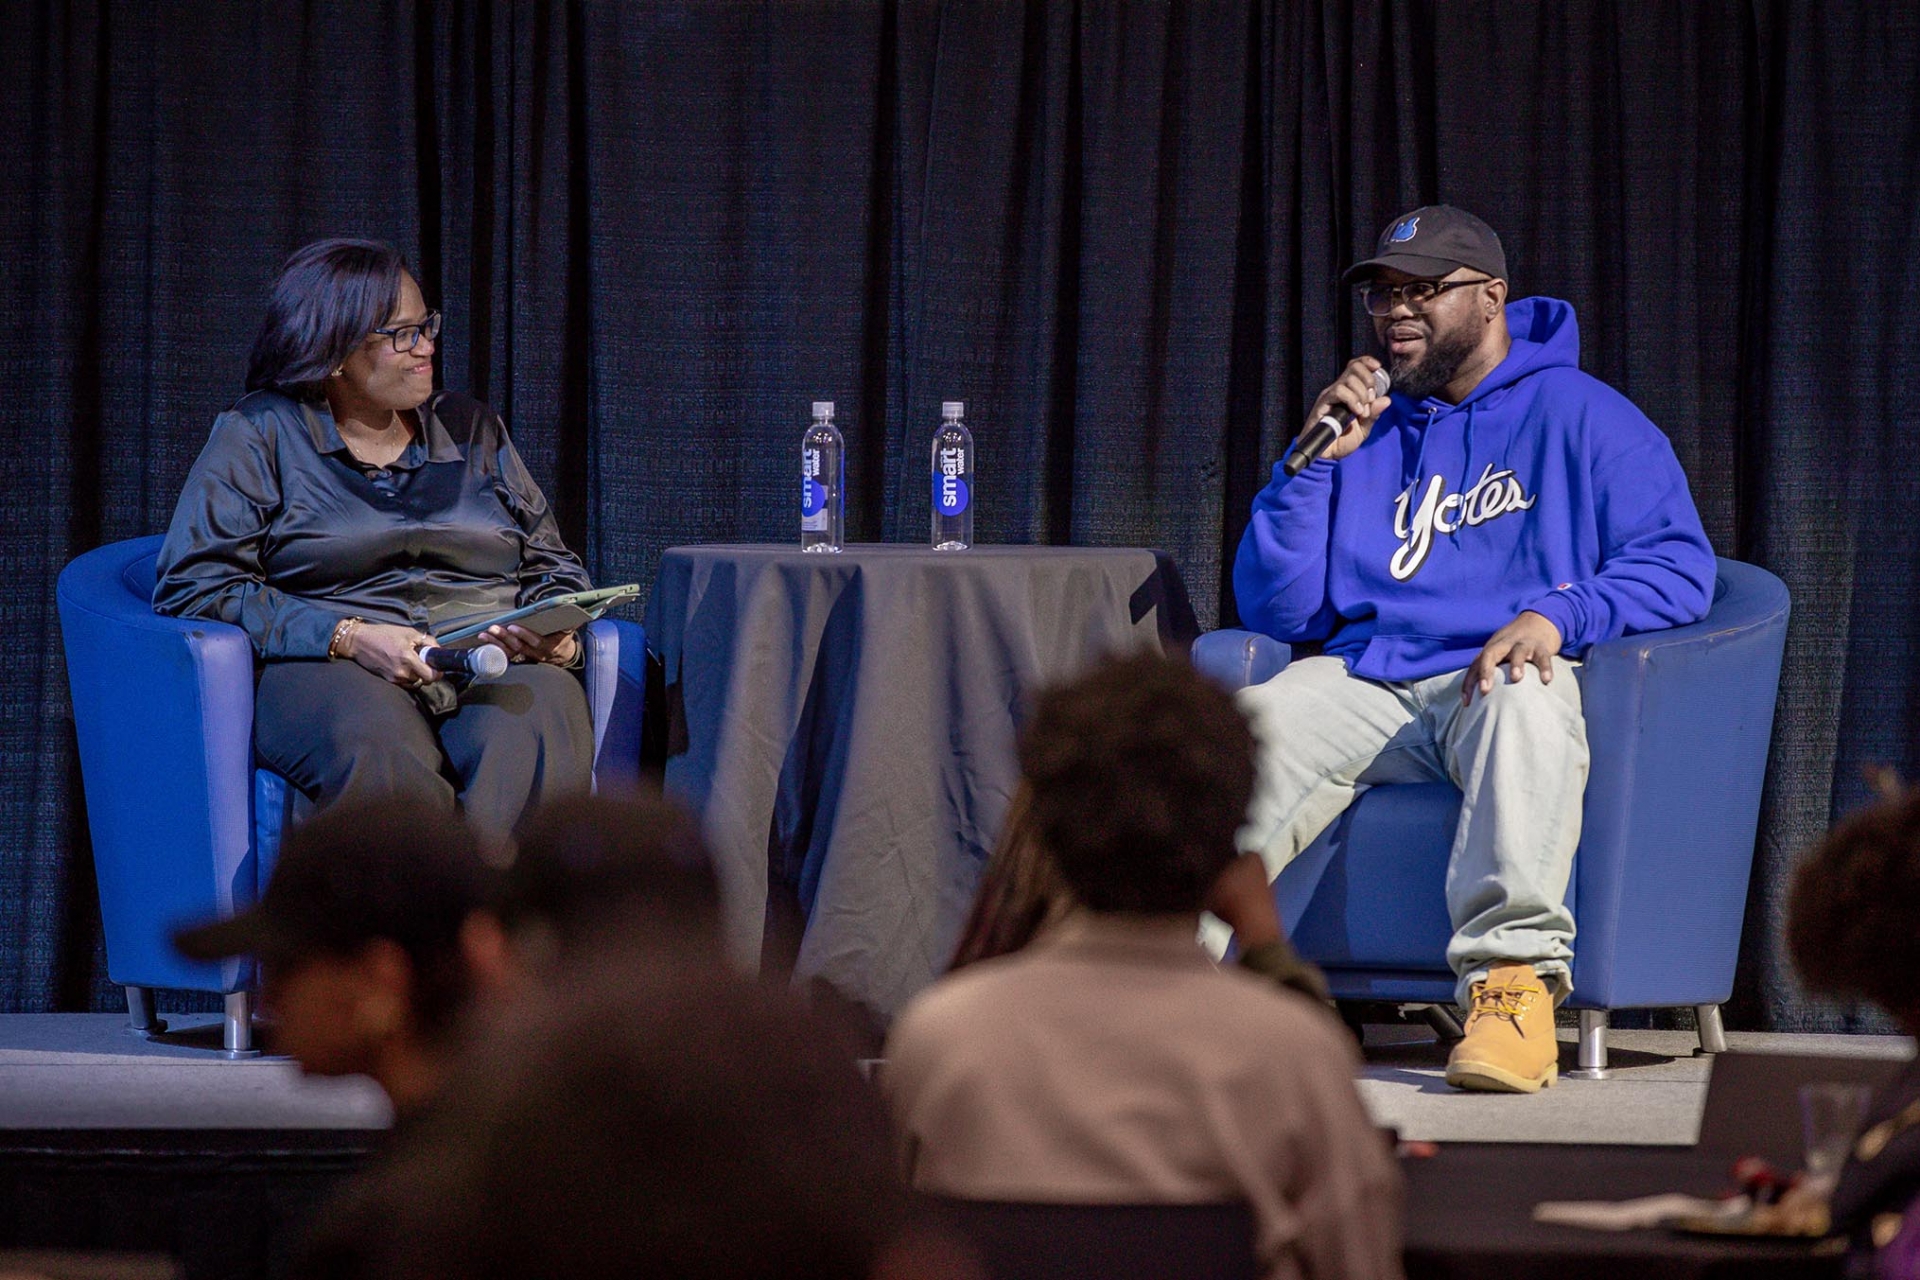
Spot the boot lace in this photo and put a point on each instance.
(1503, 1002)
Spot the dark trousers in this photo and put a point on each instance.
(338, 732)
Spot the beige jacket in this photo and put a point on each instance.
(1113, 1062)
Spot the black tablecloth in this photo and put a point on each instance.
(845, 724)
(1469, 1214)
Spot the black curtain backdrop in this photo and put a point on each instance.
(1112, 227)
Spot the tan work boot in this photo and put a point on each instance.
(1509, 1046)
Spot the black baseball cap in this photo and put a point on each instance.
(399, 869)
(1431, 241)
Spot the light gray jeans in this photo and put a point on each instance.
(1518, 755)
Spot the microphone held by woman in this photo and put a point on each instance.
(482, 662)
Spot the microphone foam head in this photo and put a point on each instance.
(489, 662)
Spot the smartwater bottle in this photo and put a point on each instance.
(952, 481)
(823, 482)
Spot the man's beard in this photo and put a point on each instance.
(1446, 352)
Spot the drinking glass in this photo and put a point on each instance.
(1830, 1115)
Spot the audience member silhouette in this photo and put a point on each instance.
(1109, 1060)
(1853, 929)
(358, 939)
(651, 1117)
(592, 872)
(1021, 894)
(594, 885)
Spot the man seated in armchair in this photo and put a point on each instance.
(1453, 553)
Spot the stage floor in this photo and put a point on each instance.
(1653, 1097)
(87, 1071)
(167, 1149)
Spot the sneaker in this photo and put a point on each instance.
(1510, 1046)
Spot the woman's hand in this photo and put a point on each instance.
(523, 645)
(392, 653)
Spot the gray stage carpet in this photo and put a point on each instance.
(87, 1071)
(1654, 1096)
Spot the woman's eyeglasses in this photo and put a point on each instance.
(407, 336)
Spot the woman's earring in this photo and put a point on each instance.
(337, 372)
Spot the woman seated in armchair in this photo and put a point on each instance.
(342, 512)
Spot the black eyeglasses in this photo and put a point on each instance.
(1381, 299)
(407, 336)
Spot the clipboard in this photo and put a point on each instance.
(546, 617)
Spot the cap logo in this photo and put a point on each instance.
(1402, 231)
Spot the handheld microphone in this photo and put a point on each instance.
(1332, 424)
(482, 662)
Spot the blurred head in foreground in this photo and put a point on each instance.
(592, 872)
(653, 1117)
(1138, 775)
(1853, 916)
(358, 939)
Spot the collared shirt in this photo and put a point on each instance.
(282, 532)
(1112, 1062)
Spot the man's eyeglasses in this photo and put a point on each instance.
(407, 336)
(1381, 299)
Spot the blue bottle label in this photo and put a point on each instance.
(950, 494)
(813, 496)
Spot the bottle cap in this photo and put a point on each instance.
(823, 408)
(952, 408)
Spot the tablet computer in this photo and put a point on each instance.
(547, 617)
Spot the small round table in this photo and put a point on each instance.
(845, 723)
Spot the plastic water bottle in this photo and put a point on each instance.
(823, 482)
(953, 481)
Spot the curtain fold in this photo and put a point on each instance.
(660, 229)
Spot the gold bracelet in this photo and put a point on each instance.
(342, 637)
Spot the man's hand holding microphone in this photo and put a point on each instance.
(1341, 419)
(1342, 415)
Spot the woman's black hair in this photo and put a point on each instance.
(327, 298)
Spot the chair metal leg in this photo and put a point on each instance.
(237, 1031)
(1353, 1017)
(1713, 1033)
(1593, 1046)
(1445, 1025)
(141, 1018)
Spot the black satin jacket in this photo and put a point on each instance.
(281, 532)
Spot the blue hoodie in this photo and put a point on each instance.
(1545, 489)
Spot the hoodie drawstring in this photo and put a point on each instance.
(1409, 479)
(1466, 474)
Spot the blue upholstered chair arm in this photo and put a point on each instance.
(163, 711)
(1239, 658)
(616, 694)
(1678, 722)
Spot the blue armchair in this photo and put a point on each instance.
(184, 827)
(1678, 724)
